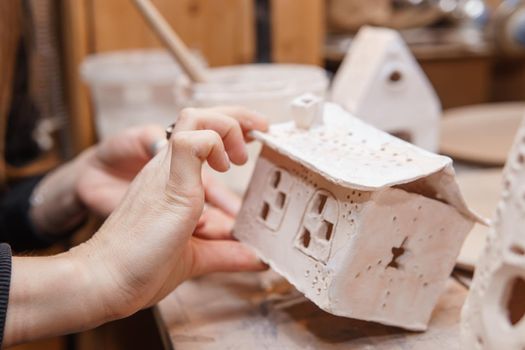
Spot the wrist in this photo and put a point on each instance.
(49, 296)
(91, 285)
(106, 293)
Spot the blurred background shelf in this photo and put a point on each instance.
(463, 63)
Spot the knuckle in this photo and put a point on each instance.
(181, 197)
(212, 137)
(232, 122)
(196, 142)
(181, 140)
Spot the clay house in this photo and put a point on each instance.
(380, 67)
(364, 224)
(493, 316)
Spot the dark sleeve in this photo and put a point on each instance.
(5, 282)
(16, 227)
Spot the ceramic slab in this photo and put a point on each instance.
(481, 134)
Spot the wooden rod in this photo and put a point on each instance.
(171, 40)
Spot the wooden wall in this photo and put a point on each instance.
(298, 31)
(222, 31)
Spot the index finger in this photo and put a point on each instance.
(248, 119)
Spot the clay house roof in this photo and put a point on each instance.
(353, 154)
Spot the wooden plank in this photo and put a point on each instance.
(244, 311)
(222, 30)
(76, 47)
(245, 36)
(459, 81)
(481, 134)
(231, 27)
(298, 31)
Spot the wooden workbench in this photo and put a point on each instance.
(245, 311)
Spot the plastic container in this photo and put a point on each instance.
(266, 88)
(132, 87)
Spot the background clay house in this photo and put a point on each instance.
(364, 224)
(380, 67)
(493, 316)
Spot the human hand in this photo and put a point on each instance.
(147, 247)
(149, 244)
(97, 180)
(214, 224)
(94, 181)
(107, 169)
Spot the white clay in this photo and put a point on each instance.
(493, 316)
(364, 224)
(380, 82)
(307, 111)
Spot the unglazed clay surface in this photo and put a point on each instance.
(380, 82)
(364, 224)
(493, 316)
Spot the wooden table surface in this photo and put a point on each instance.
(481, 134)
(246, 311)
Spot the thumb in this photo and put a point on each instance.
(189, 149)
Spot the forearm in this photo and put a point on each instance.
(50, 296)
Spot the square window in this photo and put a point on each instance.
(265, 211)
(280, 200)
(275, 198)
(318, 226)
